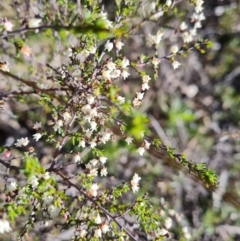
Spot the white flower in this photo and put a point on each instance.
(121, 99)
(124, 74)
(37, 125)
(154, 39)
(106, 74)
(137, 102)
(119, 45)
(111, 66)
(66, 116)
(46, 175)
(34, 22)
(4, 226)
(85, 53)
(47, 199)
(146, 78)
(90, 99)
(82, 143)
(8, 25)
(169, 3)
(88, 133)
(93, 125)
(92, 49)
(140, 95)
(93, 172)
(129, 140)
(22, 142)
(109, 46)
(174, 49)
(83, 233)
(104, 172)
(168, 223)
(125, 63)
(103, 159)
(93, 190)
(147, 144)
(163, 232)
(105, 228)
(157, 15)
(86, 108)
(135, 182)
(33, 181)
(175, 64)
(37, 136)
(11, 186)
(93, 144)
(105, 137)
(145, 86)
(98, 233)
(198, 5)
(4, 66)
(77, 158)
(155, 62)
(187, 37)
(141, 150)
(115, 73)
(183, 26)
(94, 162)
(53, 211)
(98, 219)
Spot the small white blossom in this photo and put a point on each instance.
(47, 199)
(157, 15)
(163, 232)
(111, 66)
(175, 64)
(82, 143)
(187, 37)
(137, 102)
(109, 46)
(92, 49)
(135, 182)
(121, 99)
(125, 63)
(88, 133)
(147, 144)
(11, 186)
(119, 45)
(33, 181)
(98, 233)
(22, 142)
(154, 39)
(98, 219)
(140, 95)
(145, 86)
(169, 3)
(66, 116)
(106, 74)
(93, 144)
(129, 140)
(146, 78)
(37, 125)
(168, 223)
(183, 26)
(46, 175)
(116, 73)
(141, 150)
(93, 190)
(105, 228)
(83, 233)
(124, 74)
(104, 172)
(77, 158)
(85, 53)
(4, 226)
(198, 5)
(155, 62)
(103, 159)
(174, 49)
(53, 211)
(90, 99)
(93, 125)
(7, 25)
(37, 136)
(94, 162)
(34, 22)
(105, 137)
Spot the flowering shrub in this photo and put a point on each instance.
(74, 69)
